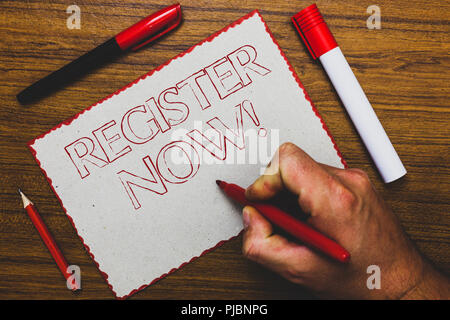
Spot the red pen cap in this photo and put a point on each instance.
(150, 28)
(314, 31)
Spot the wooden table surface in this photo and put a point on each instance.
(403, 67)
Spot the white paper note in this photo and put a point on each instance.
(136, 172)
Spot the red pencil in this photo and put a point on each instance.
(294, 227)
(47, 237)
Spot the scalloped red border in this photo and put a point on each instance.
(70, 120)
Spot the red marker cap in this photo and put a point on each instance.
(150, 28)
(314, 31)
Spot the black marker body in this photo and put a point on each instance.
(70, 72)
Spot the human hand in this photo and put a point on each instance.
(342, 204)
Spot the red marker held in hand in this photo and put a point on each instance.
(294, 227)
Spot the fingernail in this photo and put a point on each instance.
(246, 217)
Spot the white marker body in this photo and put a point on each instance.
(363, 116)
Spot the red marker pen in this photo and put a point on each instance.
(294, 227)
(133, 38)
(321, 44)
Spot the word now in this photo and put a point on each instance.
(157, 115)
(166, 171)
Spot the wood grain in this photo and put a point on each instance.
(403, 67)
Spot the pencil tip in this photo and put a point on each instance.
(25, 200)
